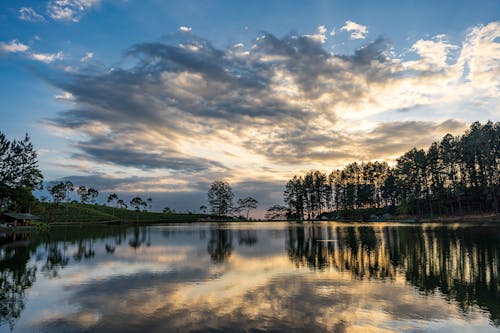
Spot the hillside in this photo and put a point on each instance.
(85, 213)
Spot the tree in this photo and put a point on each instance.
(203, 209)
(24, 164)
(276, 212)
(5, 171)
(22, 199)
(167, 210)
(149, 203)
(19, 172)
(121, 204)
(93, 193)
(247, 204)
(137, 203)
(294, 197)
(112, 197)
(61, 190)
(220, 198)
(455, 175)
(83, 194)
(87, 194)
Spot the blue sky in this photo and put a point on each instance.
(161, 97)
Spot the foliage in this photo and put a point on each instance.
(112, 197)
(454, 176)
(121, 204)
(87, 194)
(19, 173)
(137, 203)
(247, 204)
(220, 198)
(276, 212)
(61, 190)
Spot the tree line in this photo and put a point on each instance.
(61, 191)
(457, 175)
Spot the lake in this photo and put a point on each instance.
(253, 277)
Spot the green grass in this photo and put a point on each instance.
(84, 213)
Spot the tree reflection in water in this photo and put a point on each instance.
(220, 244)
(16, 275)
(462, 263)
(18, 272)
(247, 237)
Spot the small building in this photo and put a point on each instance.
(17, 219)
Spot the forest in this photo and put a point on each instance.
(455, 176)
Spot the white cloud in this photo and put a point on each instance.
(66, 97)
(433, 53)
(69, 10)
(29, 14)
(185, 29)
(481, 54)
(13, 46)
(46, 57)
(319, 36)
(88, 56)
(358, 31)
(284, 106)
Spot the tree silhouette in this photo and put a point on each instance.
(454, 176)
(61, 190)
(220, 198)
(247, 204)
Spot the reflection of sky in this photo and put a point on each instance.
(172, 285)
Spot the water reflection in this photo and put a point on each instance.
(220, 244)
(16, 275)
(462, 263)
(269, 277)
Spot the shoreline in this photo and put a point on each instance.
(489, 218)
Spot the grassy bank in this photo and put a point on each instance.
(85, 213)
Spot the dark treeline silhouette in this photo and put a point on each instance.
(457, 175)
(460, 263)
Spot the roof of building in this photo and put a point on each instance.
(21, 216)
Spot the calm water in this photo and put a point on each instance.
(264, 277)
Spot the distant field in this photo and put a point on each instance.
(85, 213)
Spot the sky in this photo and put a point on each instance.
(160, 98)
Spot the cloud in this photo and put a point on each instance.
(30, 15)
(320, 35)
(47, 57)
(66, 96)
(433, 53)
(190, 112)
(69, 10)
(88, 56)
(141, 158)
(185, 29)
(13, 46)
(358, 31)
(392, 139)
